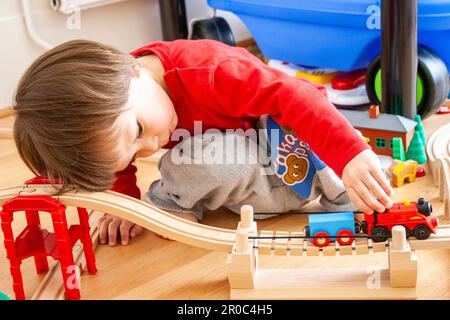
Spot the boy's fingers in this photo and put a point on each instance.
(381, 179)
(112, 231)
(125, 227)
(376, 189)
(135, 231)
(368, 197)
(357, 201)
(103, 230)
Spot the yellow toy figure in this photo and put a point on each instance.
(402, 171)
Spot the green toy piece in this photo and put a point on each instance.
(4, 296)
(416, 150)
(398, 151)
(419, 128)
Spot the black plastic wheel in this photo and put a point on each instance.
(364, 227)
(432, 85)
(215, 28)
(306, 231)
(380, 234)
(357, 227)
(422, 232)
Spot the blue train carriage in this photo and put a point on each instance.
(330, 225)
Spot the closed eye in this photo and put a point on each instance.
(139, 130)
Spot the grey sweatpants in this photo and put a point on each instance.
(196, 174)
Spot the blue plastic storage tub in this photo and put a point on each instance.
(338, 34)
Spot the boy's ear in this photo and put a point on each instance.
(136, 70)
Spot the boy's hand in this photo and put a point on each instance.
(110, 227)
(366, 184)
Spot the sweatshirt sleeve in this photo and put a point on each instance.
(244, 88)
(126, 182)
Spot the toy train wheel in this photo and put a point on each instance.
(432, 82)
(321, 242)
(422, 232)
(347, 237)
(357, 227)
(379, 234)
(215, 28)
(307, 231)
(365, 227)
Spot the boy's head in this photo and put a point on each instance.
(79, 108)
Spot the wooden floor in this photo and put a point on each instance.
(153, 268)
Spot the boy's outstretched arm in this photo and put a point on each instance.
(246, 87)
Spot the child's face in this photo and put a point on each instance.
(147, 125)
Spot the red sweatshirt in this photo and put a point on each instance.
(229, 88)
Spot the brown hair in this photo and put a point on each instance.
(66, 105)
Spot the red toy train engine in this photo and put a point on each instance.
(414, 216)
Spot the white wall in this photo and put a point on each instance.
(126, 25)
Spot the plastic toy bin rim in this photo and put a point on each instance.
(432, 14)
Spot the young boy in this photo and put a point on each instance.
(85, 111)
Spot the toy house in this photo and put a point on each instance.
(379, 129)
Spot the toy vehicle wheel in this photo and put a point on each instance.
(357, 227)
(347, 237)
(432, 82)
(307, 231)
(365, 227)
(215, 28)
(379, 234)
(321, 242)
(422, 232)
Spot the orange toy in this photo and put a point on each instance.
(402, 171)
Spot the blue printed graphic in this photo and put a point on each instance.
(295, 163)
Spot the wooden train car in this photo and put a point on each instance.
(341, 226)
(414, 216)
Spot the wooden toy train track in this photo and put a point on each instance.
(204, 236)
(438, 150)
(293, 244)
(138, 212)
(297, 244)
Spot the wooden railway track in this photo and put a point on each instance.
(438, 150)
(303, 246)
(438, 147)
(138, 212)
(207, 237)
(203, 236)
